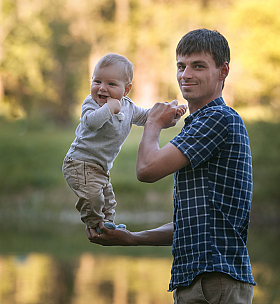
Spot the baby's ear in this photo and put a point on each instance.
(128, 87)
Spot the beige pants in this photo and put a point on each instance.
(96, 199)
(214, 288)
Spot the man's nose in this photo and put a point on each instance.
(186, 74)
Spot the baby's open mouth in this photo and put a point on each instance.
(102, 97)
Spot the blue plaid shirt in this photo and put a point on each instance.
(212, 196)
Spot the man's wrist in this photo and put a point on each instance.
(136, 239)
(151, 124)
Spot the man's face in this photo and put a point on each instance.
(199, 79)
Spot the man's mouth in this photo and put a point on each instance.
(188, 84)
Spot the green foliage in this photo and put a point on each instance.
(30, 159)
(255, 45)
(41, 61)
(48, 49)
(265, 145)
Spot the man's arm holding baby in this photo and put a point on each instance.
(161, 236)
(153, 162)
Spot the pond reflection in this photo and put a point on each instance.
(42, 279)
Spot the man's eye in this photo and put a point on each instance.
(181, 68)
(199, 66)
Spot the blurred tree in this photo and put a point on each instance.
(256, 44)
(156, 30)
(25, 56)
(123, 34)
(94, 23)
(41, 62)
(4, 29)
(69, 56)
(147, 53)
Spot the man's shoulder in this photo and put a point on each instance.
(222, 116)
(220, 111)
(213, 113)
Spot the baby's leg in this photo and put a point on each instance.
(109, 203)
(87, 180)
(109, 208)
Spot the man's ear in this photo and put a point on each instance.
(224, 71)
(128, 87)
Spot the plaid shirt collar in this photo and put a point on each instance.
(216, 102)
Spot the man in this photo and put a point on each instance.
(211, 162)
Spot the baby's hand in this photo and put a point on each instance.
(181, 110)
(114, 105)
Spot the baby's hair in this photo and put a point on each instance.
(116, 59)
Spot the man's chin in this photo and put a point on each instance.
(188, 96)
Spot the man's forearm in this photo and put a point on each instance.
(153, 162)
(161, 236)
(148, 147)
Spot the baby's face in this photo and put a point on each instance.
(108, 82)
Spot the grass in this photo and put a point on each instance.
(32, 186)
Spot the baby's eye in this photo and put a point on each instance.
(111, 84)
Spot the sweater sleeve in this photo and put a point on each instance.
(93, 116)
(139, 115)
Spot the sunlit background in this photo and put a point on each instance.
(48, 49)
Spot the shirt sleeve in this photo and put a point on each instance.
(93, 116)
(203, 138)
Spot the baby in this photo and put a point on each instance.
(106, 120)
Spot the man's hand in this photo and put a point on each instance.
(114, 105)
(166, 114)
(110, 237)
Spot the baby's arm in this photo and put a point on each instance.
(93, 117)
